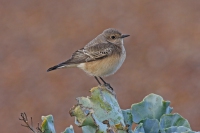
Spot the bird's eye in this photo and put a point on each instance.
(112, 37)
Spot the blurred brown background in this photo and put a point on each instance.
(163, 56)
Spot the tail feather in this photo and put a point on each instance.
(52, 68)
(61, 65)
(56, 67)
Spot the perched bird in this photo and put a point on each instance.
(101, 57)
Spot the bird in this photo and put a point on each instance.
(101, 57)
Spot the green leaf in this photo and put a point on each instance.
(88, 129)
(84, 116)
(151, 126)
(128, 118)
(95, 110)
(139, 129)
(48, 124)
(169, 120)
(69, 130)
(101, 128)
(176, 129)
(122, 131)
(153, 107)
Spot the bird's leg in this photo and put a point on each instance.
(103, 81)
(106, 84)
(97, 80)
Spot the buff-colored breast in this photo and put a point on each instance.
(103, 67)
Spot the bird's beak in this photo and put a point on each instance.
(123, 36)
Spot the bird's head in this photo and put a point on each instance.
(114, 36)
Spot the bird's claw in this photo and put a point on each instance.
(109, 86)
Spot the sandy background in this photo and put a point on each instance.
(163, 56)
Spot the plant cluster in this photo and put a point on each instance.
(101, 113)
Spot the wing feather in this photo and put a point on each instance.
(92, 53)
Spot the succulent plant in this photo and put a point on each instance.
(101, 113)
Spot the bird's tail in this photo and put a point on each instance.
(62, 65)
(56, 67)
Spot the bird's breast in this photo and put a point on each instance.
(106, 66)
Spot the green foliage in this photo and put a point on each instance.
(48, 124)
(169, 120)
(154, 116)
(69, 130)
(101, 113)
(152, 107)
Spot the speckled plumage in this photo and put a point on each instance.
(102, 56)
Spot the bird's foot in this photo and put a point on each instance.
(109, 88)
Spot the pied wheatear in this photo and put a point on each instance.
(101, 57)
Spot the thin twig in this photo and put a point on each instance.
(24, 118)
(31, 122)
(39, 129)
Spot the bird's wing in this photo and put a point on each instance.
(92, 53)
(87, 54)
